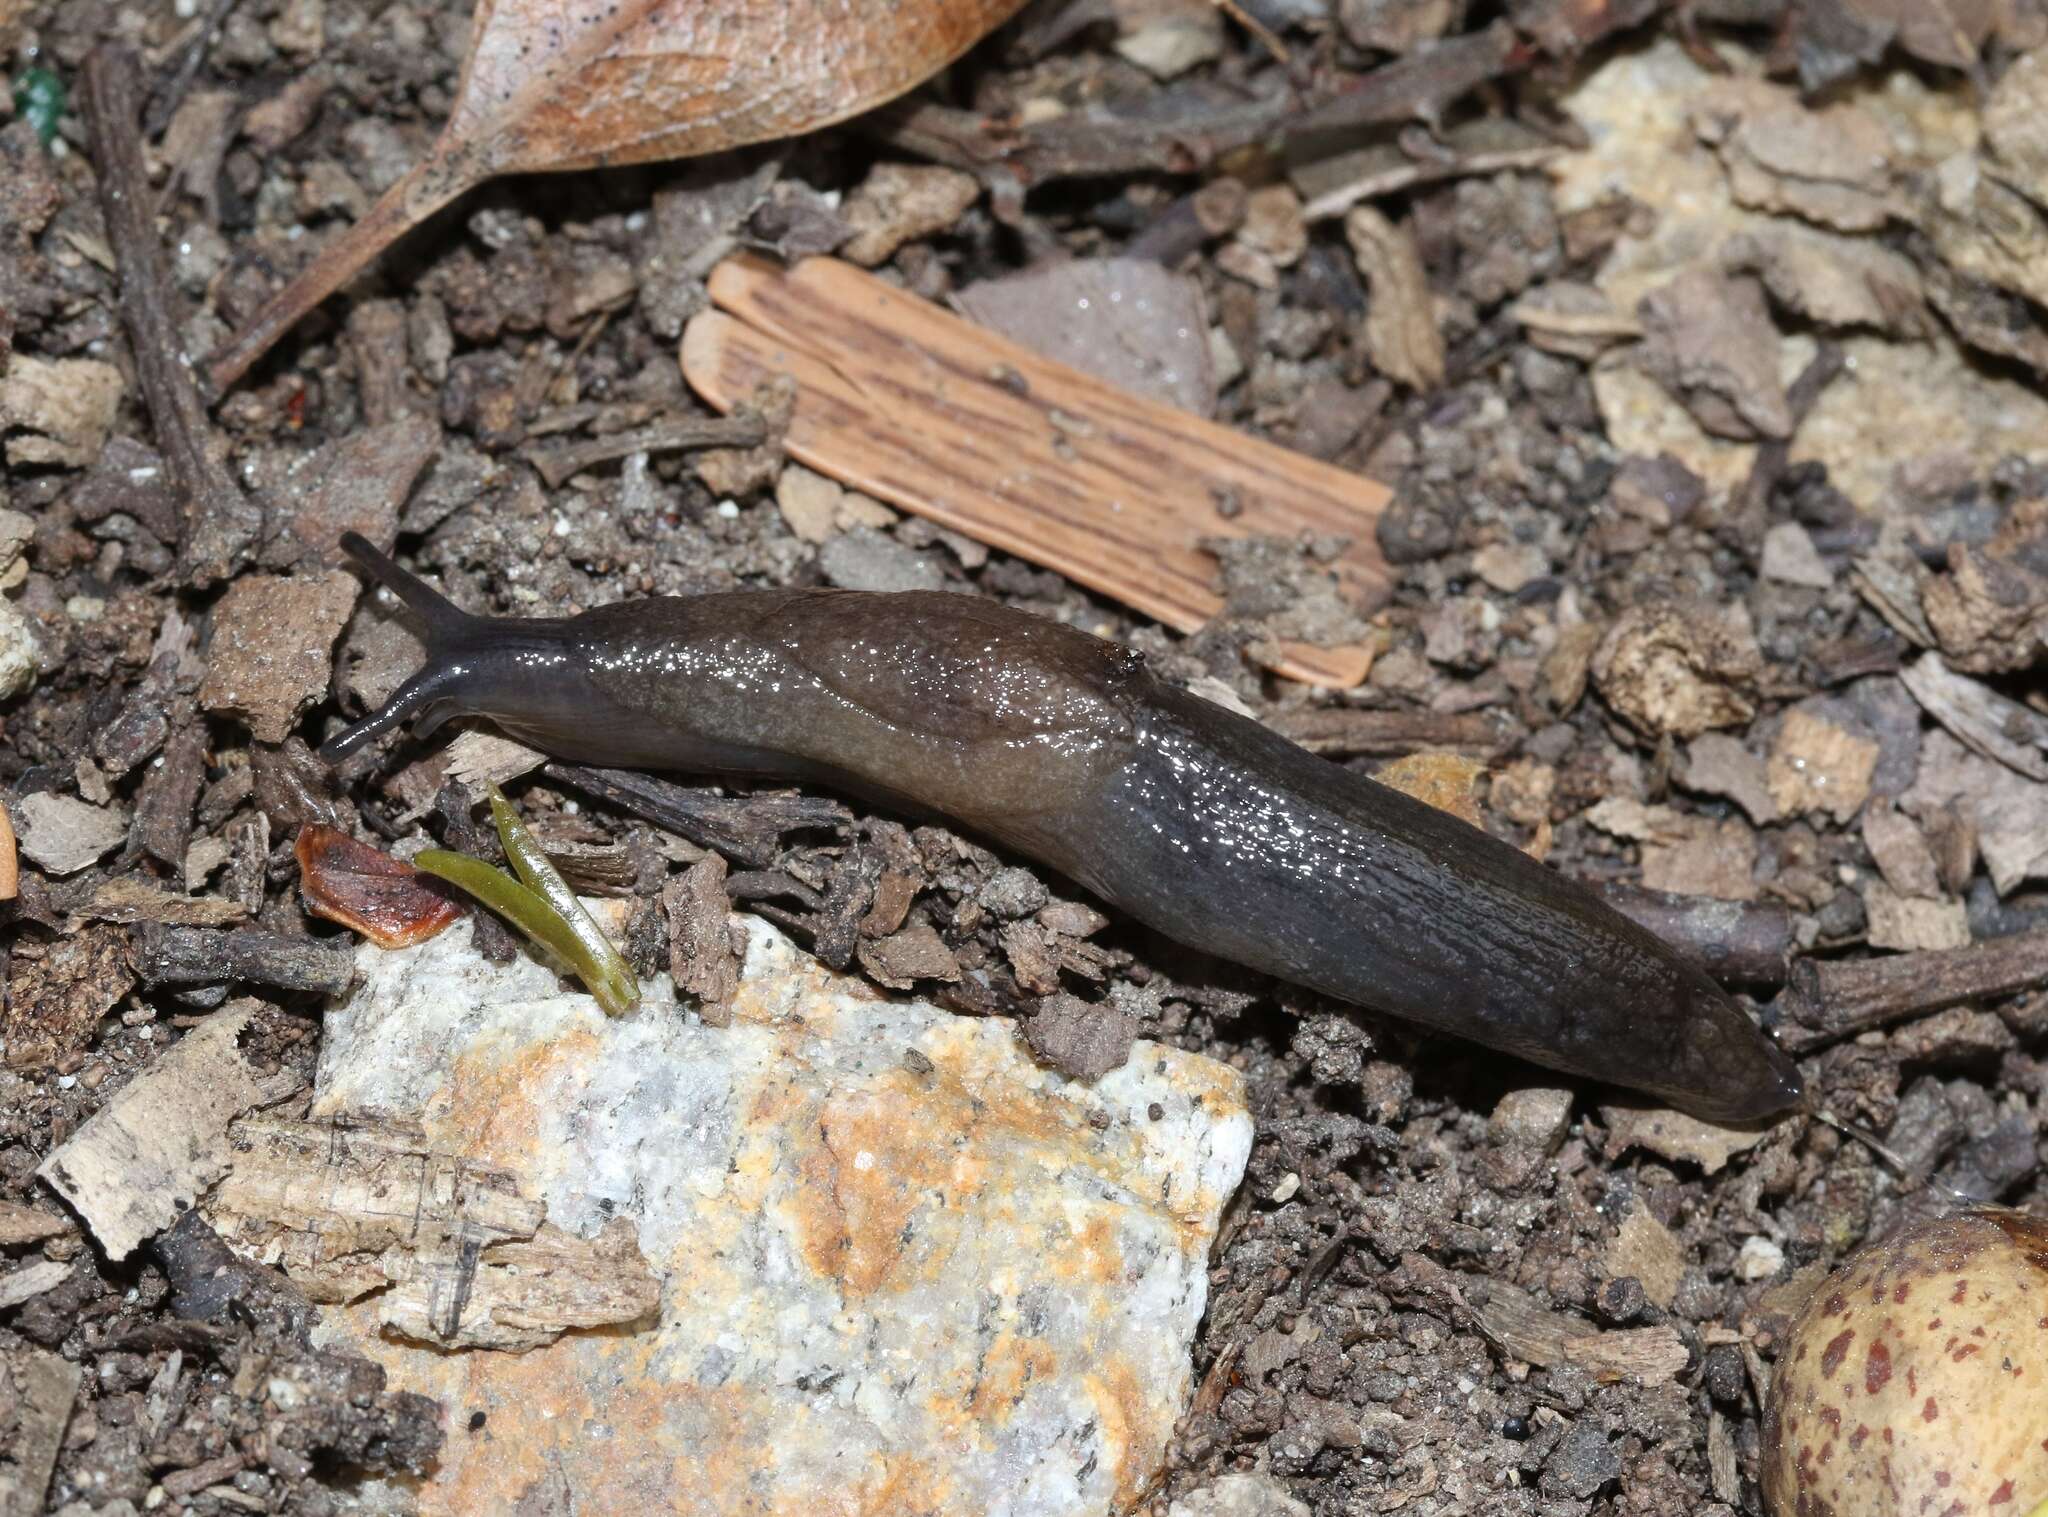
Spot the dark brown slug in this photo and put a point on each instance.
(1066, 748)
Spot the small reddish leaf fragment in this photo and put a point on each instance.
(363, 888)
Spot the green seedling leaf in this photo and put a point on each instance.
(539, 875)
(531, 914)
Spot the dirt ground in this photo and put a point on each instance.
(1446, 1287)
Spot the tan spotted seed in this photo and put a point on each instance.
(1915, 1382)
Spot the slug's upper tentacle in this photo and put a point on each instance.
(432, 693)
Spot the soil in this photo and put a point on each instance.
(1404, 1190)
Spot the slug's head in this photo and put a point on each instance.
(1725, 1068)
(476, 665)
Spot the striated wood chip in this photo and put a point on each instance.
(1643, 1356)
(1401, 334)
(267, 660)
(817, 509)
(360, 1203)
(162, 826)
(1817, 767)
(1714, 859)
(30, 1281)
(1138, 479)
(1989, 319)
(1723, 1471)
(1568, 666)
(2015, 121)
(704, 951)
(1985, 721)
(1989, 613)
(39, 1390)
(1913, 922)
(1082, 1041)
(1031, 957)
(1646, 1249)
(131, 898)
(1676, 1136)
(477, 759)
(145, 1156)
(1574, 319)
(195, 956)
(10, 858)
(58, 992)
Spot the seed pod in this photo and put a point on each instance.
(1916, 1379)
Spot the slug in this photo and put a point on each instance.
(1066, 748)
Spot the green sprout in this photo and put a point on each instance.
(540, 904)
(39, 99)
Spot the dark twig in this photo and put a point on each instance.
(1749, 941)
(745, 828)
(560, 463)
(220, 521)
(170, 91)
(1774, 455)
(1419, 86)
(1345, 732)
(1827, 1001)
(1092, 145)
(1087, 147)
(197, 956)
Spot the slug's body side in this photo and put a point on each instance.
(1200, 823)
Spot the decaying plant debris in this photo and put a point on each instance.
(1702, 349)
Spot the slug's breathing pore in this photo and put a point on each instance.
(1202, 824)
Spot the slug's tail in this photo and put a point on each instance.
(449, 631)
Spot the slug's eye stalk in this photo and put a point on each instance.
(451, 634)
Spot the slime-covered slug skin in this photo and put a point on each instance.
(1199, 823)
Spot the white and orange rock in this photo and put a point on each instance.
(904, 1268)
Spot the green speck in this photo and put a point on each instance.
(39, 98)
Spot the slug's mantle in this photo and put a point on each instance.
(904, 1268)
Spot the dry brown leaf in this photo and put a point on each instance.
(555, 85)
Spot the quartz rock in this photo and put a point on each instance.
(904, 1268)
